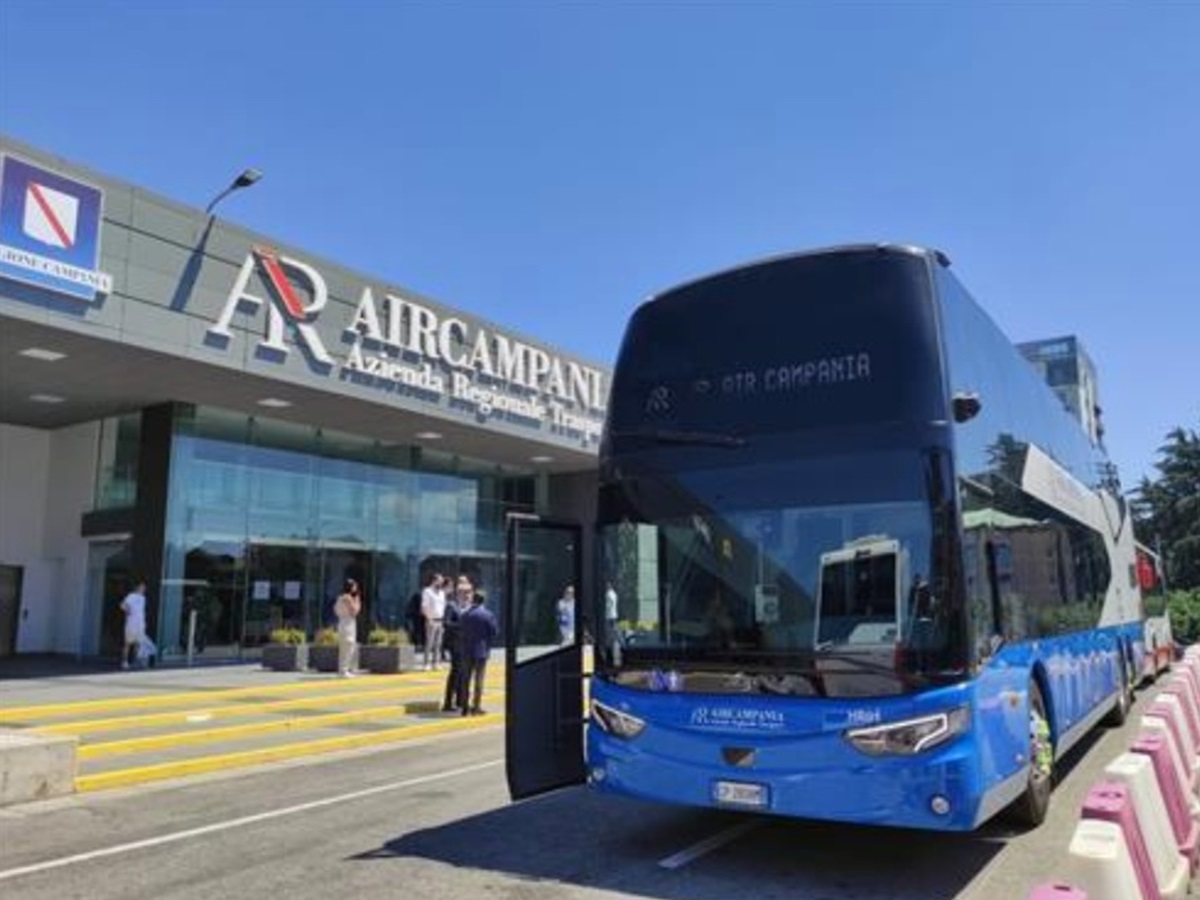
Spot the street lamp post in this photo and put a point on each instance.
(244, 180)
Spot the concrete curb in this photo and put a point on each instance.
(35, 767)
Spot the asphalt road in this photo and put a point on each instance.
(433, 820)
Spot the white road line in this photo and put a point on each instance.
(709, 844)
(238, 823)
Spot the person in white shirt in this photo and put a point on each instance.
(611, 612)
(566, 615)
(347, 607)
(134, 608)
(433, 608)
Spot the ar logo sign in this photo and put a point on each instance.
(284, 304)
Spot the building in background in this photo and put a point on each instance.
(245, 425)
(1067, 368)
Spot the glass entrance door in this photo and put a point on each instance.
(278, 591)
(339, 564)
(213, 587)
(109, 579)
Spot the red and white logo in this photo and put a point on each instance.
(50, 216)
(285, 304)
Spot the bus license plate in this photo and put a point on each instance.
(740, 793)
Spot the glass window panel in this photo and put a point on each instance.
(117, 462)
(267, 517)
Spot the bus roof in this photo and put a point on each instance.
(837, 250)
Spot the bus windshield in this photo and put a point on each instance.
(810, 574)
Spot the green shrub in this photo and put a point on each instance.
(1184, 607)
(294, 636)
(387, 637)
(325, 637)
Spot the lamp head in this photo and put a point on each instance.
(247, 178)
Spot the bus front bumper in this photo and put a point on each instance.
(937, 790)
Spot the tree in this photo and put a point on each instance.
(1167, 509)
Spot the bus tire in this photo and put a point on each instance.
(1118, 714)
(1030, 809)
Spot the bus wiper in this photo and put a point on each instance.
(696, 438)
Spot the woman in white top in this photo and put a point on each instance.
(347, 608)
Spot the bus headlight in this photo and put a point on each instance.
(617, 723)
(911, 736)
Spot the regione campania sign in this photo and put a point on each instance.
(395, 341)
(50, 230)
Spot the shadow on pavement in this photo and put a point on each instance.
(49, 665)
(588, 840)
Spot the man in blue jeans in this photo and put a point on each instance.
(477, 630)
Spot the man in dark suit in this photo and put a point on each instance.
(477, 631)
(456, 681)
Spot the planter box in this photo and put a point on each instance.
(323, 657)
(387, 660)
(285, 657)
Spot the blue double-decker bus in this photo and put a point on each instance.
(853, 560)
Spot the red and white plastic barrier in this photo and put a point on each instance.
(1186, 829)
(1138, 837)
(1168, 867)
(1110, 802)
(1165, 720)
(1099, 863)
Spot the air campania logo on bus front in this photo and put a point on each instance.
(50, 230)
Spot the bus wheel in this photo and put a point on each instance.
(1029, 810)
(1118, 714)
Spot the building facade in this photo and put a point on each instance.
(1067, 368)
(244, 425)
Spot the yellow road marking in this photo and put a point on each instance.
(204, 698)
(235, 732)
(162, 771)
(152, 720)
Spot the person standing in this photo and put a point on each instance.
(479, 630)
(134, 608)
(415, 621)
(346, 608)
(611, 612)
(456, 681)
(566, 615)
(433, 608)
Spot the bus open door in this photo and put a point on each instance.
(543, 628)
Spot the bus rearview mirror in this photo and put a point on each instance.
(966, 407)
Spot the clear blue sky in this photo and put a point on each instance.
(548, 165)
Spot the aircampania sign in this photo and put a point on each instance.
(395, 342)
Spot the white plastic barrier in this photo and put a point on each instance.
(1179, 687)
(1190, 676)
(1159, 726)
(1170, 868)
(1168, 708)
(1098, 862)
